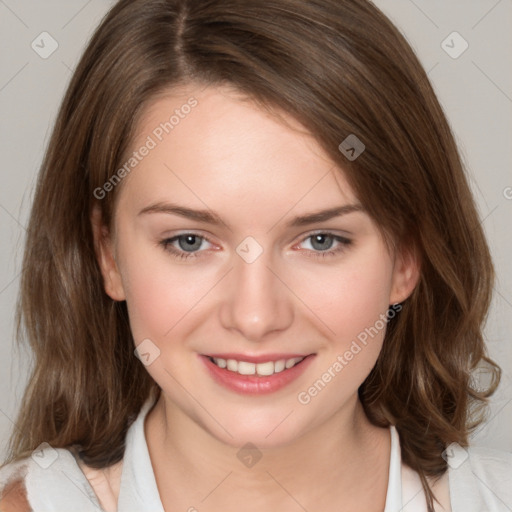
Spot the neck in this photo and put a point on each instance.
(343, 461)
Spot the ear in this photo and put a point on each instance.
(406, 274)
(103, 246)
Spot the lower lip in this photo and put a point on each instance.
(252, 384)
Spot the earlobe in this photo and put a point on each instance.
(103, 247)
(406, 274)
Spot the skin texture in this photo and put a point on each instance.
(14, 497)
(257, 173)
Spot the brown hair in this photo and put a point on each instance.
(339, 67)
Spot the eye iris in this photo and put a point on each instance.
(321, 238)
(192, 242)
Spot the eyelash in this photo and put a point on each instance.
(182, 255)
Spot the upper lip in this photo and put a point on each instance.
(262, 358)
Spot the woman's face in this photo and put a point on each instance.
(238, 243)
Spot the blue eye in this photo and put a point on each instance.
(322, 242)
(189, 245)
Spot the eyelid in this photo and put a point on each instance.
(199, 234)
(344, 236)
(332, 232)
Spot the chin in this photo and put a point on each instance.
(265, 431)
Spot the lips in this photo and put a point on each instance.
(255, 374)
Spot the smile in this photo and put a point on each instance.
(263, 369)
(255, 375)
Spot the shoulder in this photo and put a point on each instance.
(49, 479)
(13, 493)
(481, 475)
(13, 497)
(492, 466)
(490, 456)
(490, 463)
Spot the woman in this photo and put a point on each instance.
(265, 202)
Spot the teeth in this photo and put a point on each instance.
(262, 369)
(289, 363)
(265, 368)
(246, 368)
(221, 363)
(279, 366)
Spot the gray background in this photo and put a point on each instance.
(475, 89)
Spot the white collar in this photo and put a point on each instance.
(64, 485)
(394, 492)
(138, 490)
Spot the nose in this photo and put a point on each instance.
(256, 301)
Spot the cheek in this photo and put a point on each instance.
(352, 302)
(350, 298)
(158, 296)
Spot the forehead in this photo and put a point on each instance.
(212, 146)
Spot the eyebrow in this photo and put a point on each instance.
(210, 217)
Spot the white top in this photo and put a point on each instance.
(477, 480)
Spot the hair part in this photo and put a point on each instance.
(339, 68)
